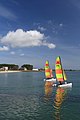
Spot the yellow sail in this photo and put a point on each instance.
(60, 73)
(48, 72)
(59, 70)
(64, 74)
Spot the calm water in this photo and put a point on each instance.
(23, 96)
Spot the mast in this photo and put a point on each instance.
(47, 70)
(59, 70)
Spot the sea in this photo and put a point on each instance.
(24, 96)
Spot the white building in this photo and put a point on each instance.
(6, 68)
(35, 69)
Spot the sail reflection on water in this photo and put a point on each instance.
(58, 100)
(48, 89)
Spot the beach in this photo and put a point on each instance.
(10, 71)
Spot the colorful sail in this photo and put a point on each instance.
(59, 70)
(47, 70)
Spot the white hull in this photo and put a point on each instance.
(65, 85)
(50, 80)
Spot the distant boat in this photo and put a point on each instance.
(48, 73)
(60, 74)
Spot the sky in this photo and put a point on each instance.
(33, 31)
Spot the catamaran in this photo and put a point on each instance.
(48, 73)
(60, 74)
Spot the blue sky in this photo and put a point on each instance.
(33, 31)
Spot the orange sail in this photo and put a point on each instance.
(59, 70)
(48, 71)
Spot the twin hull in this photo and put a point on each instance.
(50, 80)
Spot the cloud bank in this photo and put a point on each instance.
(20, 38)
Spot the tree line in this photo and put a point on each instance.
(16, 67)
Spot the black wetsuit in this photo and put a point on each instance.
(60, 82)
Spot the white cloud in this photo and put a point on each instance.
(41, 28)
(22, 54)
(4, 48)
(49, 45)
(12, 52)
(60, 24)
(21, 38)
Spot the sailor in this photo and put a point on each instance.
(60, 82)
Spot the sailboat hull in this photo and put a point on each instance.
(50, 80)
(65, 85)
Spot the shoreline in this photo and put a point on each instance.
(9, 71)
(13, 71)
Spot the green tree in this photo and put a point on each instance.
(10, 66)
